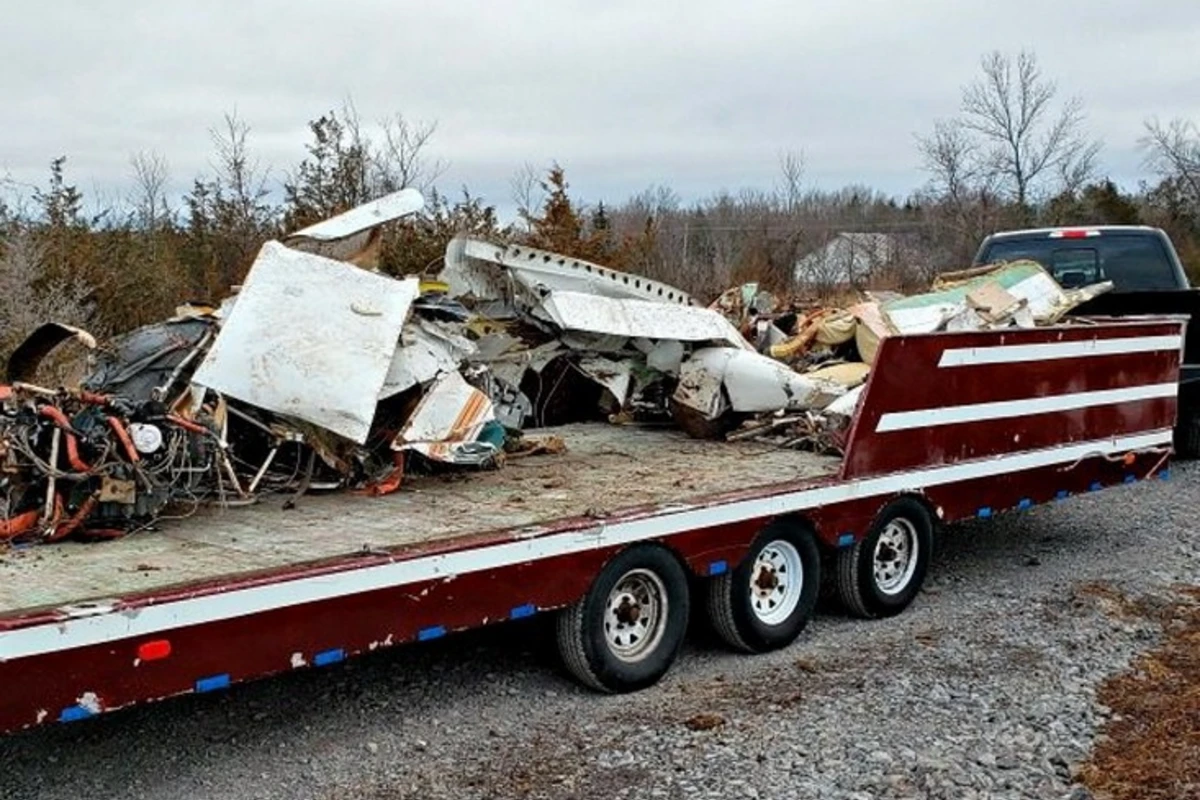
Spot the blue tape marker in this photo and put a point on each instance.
(1025, 504)
(718, 568)
(984, 512)
(1131, 478)
(520, 612)
(425, 634)
(1165, 475)
(1063, 494)
(212, 683)
(74, 714)
(327, 657)
(845, 540)
(1096, 486)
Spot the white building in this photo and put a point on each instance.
(848, 259)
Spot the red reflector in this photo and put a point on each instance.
(155, 650)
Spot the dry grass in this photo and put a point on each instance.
(1151, 746)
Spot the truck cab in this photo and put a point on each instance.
(1147, 278)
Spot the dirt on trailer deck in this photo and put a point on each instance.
(604, 468)
(1149, 749)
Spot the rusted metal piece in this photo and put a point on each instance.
(115, 490)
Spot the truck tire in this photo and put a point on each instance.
(1187, 434)
(880, 574)
(624, 634)
(768, 599)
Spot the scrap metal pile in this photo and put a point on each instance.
(320, 373)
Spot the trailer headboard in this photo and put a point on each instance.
(941, 398)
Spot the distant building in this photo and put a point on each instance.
(848, 259)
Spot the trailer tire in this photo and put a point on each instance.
(624, 634)
(880, 575)
(768, 599)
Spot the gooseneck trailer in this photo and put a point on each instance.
(622, 537)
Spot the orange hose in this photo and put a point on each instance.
(60, 419)
(187, 424)
(13, 527)
(76, 520)
(122, 434)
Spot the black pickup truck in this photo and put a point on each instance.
(1147, 279)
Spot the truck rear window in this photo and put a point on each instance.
(1133, 263)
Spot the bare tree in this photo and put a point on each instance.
(1024, 139)
(238, 172)
(527, 191)
(150, 177)
(1173, 151)
(791, 175)
(1010, 139)
(402, 160)
(951, 157)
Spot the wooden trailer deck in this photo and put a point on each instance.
(605, 469)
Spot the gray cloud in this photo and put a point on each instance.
(695, 95)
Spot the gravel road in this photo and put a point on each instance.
(983, 689)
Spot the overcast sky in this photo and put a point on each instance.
(696, 95)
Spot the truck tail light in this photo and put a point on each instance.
(1074, 233)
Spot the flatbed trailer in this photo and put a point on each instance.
(621, 536)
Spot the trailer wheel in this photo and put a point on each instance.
(769, 598)
(881, 574)
(624, 634)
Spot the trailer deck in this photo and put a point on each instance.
(607, 468)
(949, 426)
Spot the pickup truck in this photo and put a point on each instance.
(1147, 278)
(620, 539)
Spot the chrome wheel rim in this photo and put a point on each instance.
(776, 582)
(896, 552)
(635, 616)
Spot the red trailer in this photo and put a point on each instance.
(622, 536)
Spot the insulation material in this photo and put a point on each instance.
(848, 374)
(1027, 281)
(836, 328)
(872, 327)
(310, 338)
(447, 423)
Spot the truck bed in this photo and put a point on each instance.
(606, 468)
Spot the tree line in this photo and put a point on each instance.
(1017, 154)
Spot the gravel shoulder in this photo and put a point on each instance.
(985, 688)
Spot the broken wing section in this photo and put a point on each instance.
(356, 236)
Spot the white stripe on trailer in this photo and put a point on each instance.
(1007, 409)
(115, 625)
(1050, 351)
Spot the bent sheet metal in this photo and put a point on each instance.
(310, 338)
